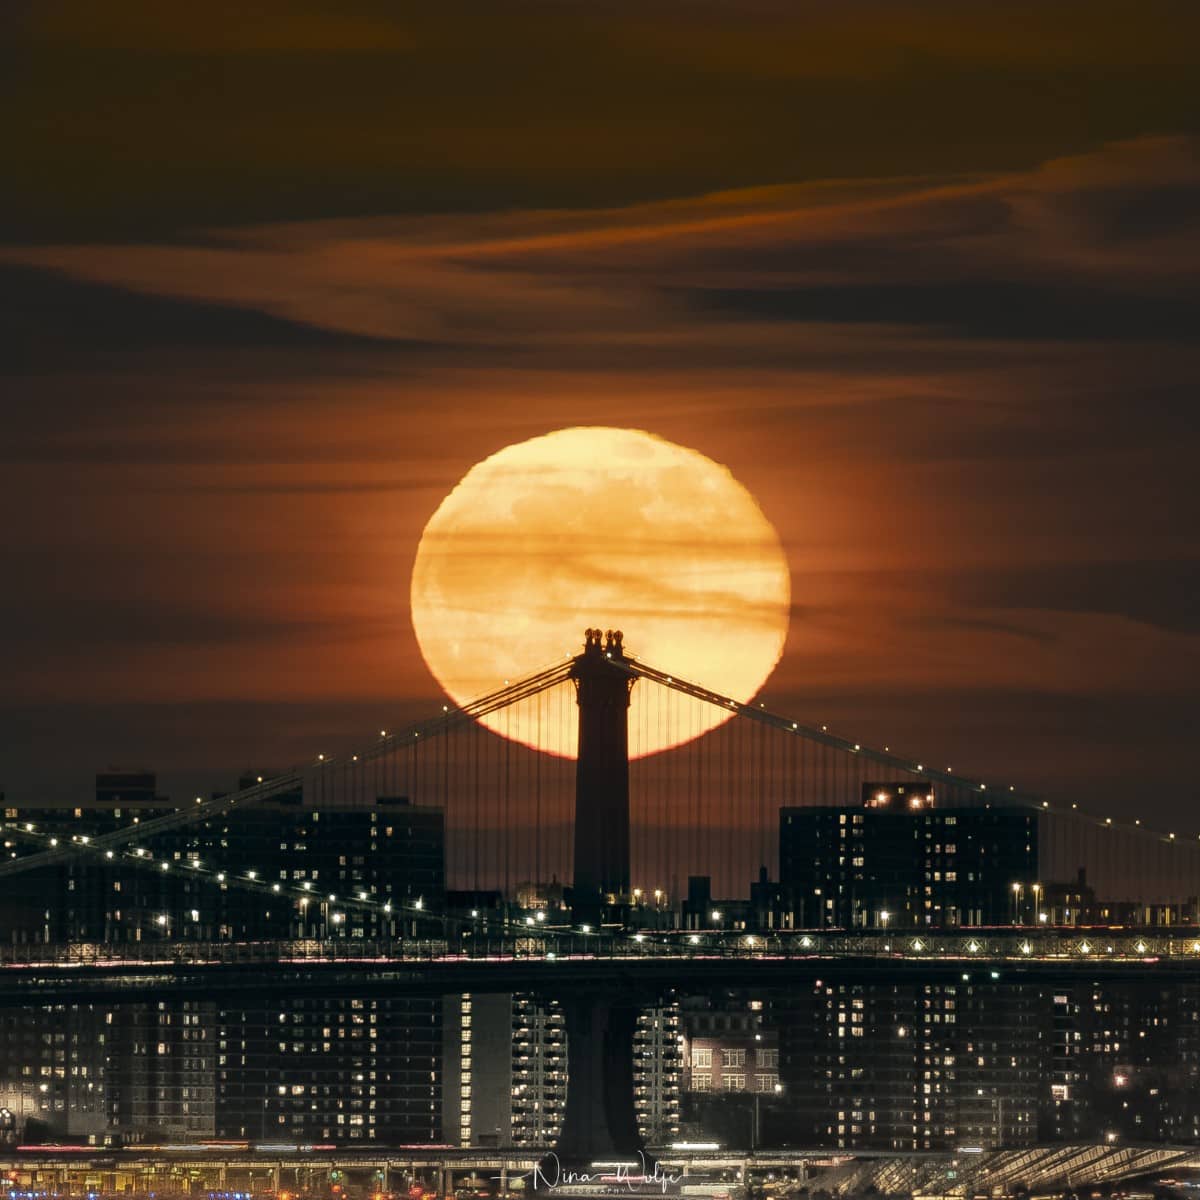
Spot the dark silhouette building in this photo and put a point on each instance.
(390, 849)
(53, 1071)
(341, 1068)
(899, 861)
(911, 1066)
(1123, 1063)
(355, 1069)
(158, 1073)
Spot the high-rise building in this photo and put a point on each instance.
(88, 899)
(160, 1070)
(342, 1068)
(910, 1067)
(539, 1071)
(53, 1071)
(1125, 1063)
(507, 1070)
(168, 1068)
(1064, 1113)
(899, 861)
(304, 1069)
(510, 1072)
(658, 1074)
(461, 1071)
(392, 850)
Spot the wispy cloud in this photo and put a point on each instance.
(1065, 251)
(966, 403)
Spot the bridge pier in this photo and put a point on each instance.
(600, 1122)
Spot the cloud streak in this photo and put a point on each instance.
(965, 401)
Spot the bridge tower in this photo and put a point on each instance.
(600, 1120)
(601, 776)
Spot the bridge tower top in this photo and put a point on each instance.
(608, 643)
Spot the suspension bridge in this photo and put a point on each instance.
(605, 814)
(622, 827)
(556, 961)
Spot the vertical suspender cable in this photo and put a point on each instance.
(476, 832)
(507, 805)
(537, 789)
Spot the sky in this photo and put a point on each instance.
(923, 276)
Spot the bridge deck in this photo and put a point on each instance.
(556, 961)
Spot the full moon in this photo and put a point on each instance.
(617, 528)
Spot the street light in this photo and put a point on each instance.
(755, 1132)
(883, 917)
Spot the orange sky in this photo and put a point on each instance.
(961, 385)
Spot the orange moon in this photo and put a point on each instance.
(611, 527)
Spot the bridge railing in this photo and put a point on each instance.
(1011, 946)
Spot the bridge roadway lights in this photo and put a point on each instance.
(600, 1122)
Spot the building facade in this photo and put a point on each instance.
(305, 1069)
(507, 1069)
(658, 1047)
(159, 1080)
(911, 1067)
(53, 1071)
(1124, 1063)
(389, 849)
(729, 1047)
(899, 861)
(340, 1068)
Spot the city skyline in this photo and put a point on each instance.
(599, 599)
(955, 372)
(289, 960)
